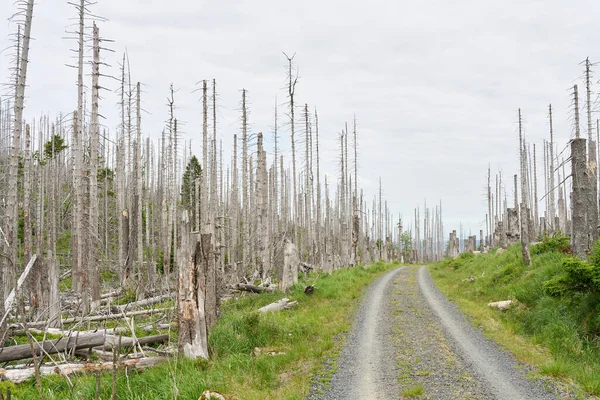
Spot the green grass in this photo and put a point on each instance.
(413, 391)
(556, 334)
(305, 336)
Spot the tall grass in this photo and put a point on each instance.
(253, 356)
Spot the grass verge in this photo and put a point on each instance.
(553, 333)
(293, 346)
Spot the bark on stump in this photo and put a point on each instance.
(197, 296)
(288, 272)
(512, 233)
(580, 201)
(453, 245)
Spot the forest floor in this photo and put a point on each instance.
(253, 355)
(408, 341)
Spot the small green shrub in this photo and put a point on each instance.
(578, 277)
(557, 242)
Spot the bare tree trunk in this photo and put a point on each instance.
(592, 164)
(123, 233)
(524, 213)
(261, 193)
(93, 277)
(551, 199)
(580, 240)
(291, 92)
(319, 260)
(535, 196)
(191, 297)
(355, 216)
(141, 267)
(245, 223)
(53, 268)
(307, 202)
(27, 233)
(77, 237)
(235, 206)
(204, 189)
(10, 215)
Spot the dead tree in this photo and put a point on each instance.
(92, 275)
(552, 198)
(524, 211)
(143, 268)
(78, 231)
(580, 197)
(291, 88)
(592, 163)
(11, 212)
(191, 296)
(262, 197)
(245, 199)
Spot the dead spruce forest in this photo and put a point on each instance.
(110, 224)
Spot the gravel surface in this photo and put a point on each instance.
(366, 367)
(409, 341)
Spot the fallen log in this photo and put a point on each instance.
(501, 305)
(146, 302)
(11, 296)
(72, 343)
(19, 375)
(114, 293)
(244, 287)
(93, 318)
(65, 274)
(112, 341)
(283, 304)
(72, 332)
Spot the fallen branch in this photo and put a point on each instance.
(114, 293)
(244, 287)
(501, 305)
(65, 274)
(18, 375)
(11, 296)
(283, 304)
(146, 302)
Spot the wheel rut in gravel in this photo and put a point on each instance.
(408, 341)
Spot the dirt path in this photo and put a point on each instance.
(366, 366)
(408, 341)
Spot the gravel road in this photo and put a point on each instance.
(409, 341)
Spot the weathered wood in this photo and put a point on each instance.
(501, 305)
(8, 303)
(283, 304)
(71, 343)
(193, 330)
(244, 287)
(19, 375)
(579, 234)
(146, 302)
(288, 273)
(93, 318)
(453, 245)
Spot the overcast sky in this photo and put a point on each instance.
(435, 85)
